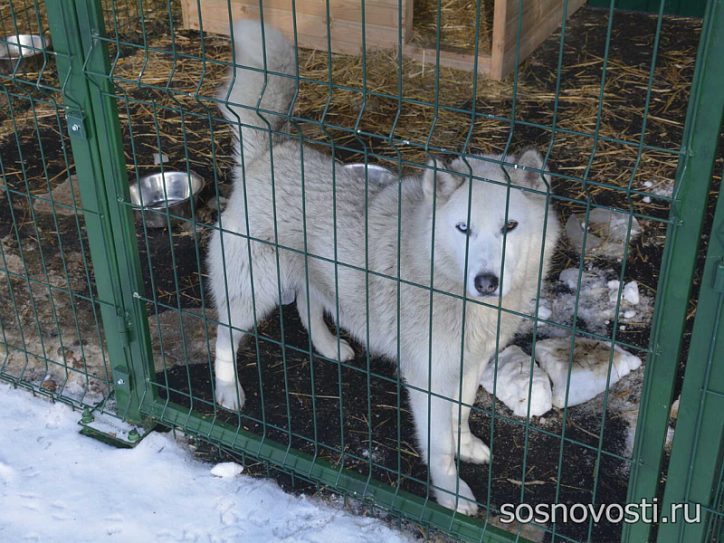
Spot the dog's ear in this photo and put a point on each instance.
(530, 158)
(436, 180)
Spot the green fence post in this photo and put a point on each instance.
(97, 148)
(703, 127)
(696, 458)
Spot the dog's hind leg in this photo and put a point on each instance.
(472, 449)
(229, 392)
(238, 313)
(311, 312)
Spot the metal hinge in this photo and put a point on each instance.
(718, 283)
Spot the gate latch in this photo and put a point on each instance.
(76, 124)
(718, 283)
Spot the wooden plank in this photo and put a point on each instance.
(185, 14)
(497, 50)
(539, 19)
(448, 59)
(379, 14)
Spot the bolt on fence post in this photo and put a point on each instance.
(76, 28)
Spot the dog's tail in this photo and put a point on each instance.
(251, 88)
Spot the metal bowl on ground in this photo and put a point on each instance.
(378, 176)
(25, 50)
(153, 195)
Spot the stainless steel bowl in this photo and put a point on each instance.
(377, 176)
(153, 195)
(23, 49)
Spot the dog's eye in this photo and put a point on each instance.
(512, 225)
(462, 227)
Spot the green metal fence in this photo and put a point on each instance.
(99, 310)
(694, 8)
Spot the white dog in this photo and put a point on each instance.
(444, 330)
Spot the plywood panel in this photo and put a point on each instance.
(449, 59)
(538, 20)
(381, 20)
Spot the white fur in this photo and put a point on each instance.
(429, 362)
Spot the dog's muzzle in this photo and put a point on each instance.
(486, 284)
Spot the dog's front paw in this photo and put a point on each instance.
(472, 449)
(228, 396)
(463, 503)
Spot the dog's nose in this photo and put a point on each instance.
(486, 284)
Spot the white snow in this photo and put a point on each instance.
(375, 455)
(514, 382)
(631, 293)
(613, 287)
(543, 313)
(59, 486)
(570, 277)
(595, 305)
(227, 469)
(158, 158)
(669, 438)
(589, 370)
(661, 188)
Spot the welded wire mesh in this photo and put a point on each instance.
(604, 99)
(52, 337)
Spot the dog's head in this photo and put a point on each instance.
(491, 230)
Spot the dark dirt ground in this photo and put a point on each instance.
(172, 264)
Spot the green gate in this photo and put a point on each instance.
(104, 69)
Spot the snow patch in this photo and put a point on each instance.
(631, 293)
(669, 438)
(543, 314)
(595, 305)
(660, 188)
(569, 277)
(55, 487)
(159, 158)
(227, 470)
